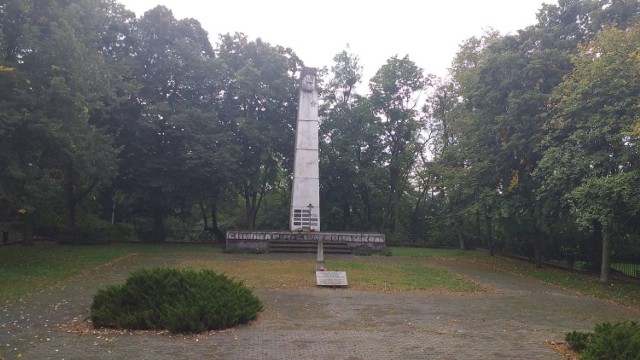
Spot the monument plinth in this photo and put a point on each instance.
(304, 220)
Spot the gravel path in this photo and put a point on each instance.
(510, 322)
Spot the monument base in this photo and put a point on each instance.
(260, 241)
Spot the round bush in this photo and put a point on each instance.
(620, 341)
(178, 300)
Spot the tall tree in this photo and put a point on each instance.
(465, 139)
(395, 92)
(57, 84)
(178, 154)
(503, 84)
(259, 103)
(443, 175)
(350, 150)
(591, 152)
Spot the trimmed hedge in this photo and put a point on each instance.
(620, 341)
(178, 300)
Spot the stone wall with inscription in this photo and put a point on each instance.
(259, 240)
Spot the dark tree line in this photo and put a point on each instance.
(141, 120)
(529, 146)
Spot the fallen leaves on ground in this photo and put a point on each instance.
(563, 349)
(85, 327)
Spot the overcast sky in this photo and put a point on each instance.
(429, 31)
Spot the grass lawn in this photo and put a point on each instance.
(28, 269)
(621, 291)
(373, 276)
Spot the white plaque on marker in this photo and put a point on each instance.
(331, 278)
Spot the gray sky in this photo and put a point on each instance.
(429, 31)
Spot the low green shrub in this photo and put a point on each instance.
(386, 252)
(118, 232)
(363, 250)
(178, 300)
(255, 251)
(620, 341)
(577, 340)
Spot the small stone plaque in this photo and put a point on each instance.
(331, 278)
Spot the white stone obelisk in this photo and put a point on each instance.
(305, 198)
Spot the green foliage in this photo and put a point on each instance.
(181, 301)
(91, 230)
(260, 102)
(428, 253)
(590, 157)
(577, 340)
(386, 252)
(119, 232)
(363, 251)
(56, 157)
(255, 251)
(394, 89)
(351, 151)
(533, 134)
(620, 341)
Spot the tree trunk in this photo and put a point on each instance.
(396, 219)
(258, 197)
(508, 242)
(607, 244)
(393, 200)
(593, 248)
(254, 210)
(27, 230)
(364, 195)
(73, 196)
(417, 221)
(158, 233)
(247, 204)
(69, 201)
(250, 206)
(204, 215)
(490, 236)
(214, 222)
(458, 223)
(478, 239)
(537, 251)
(346, 214)
(383, 223)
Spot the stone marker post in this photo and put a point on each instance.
(320, 256)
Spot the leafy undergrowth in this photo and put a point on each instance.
(178, 300)
(26, 270)
(428, 253)
(370, 276)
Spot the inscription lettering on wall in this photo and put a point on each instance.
(266, 236)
